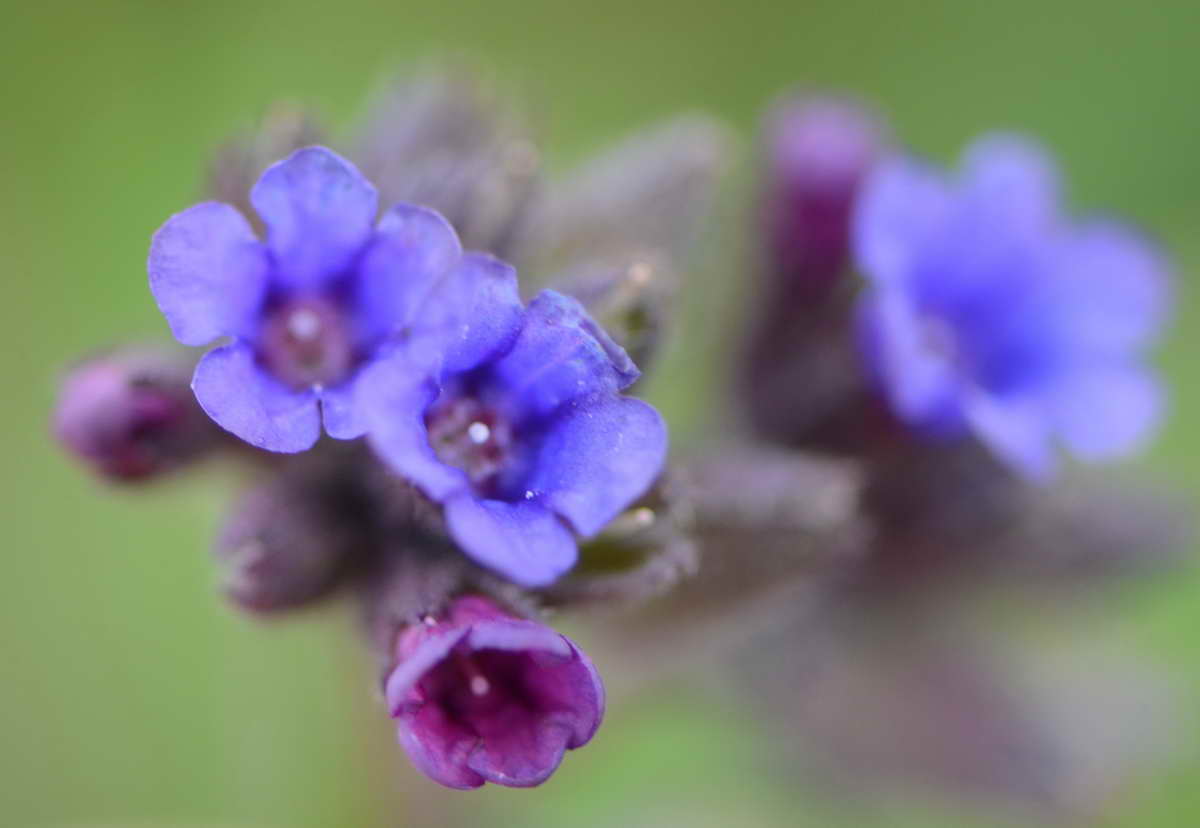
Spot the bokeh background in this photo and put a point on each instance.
(130, 696)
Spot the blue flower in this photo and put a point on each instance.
(305, 310)
(987, 312)
(511, 418)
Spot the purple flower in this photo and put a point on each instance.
(481, 696)
(515, 424)
(307, 308)
(989, 313)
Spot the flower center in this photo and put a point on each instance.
(306, 343)
(472, 437)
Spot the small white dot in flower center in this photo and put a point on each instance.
(479, 433)
(480, 685)
(304, 324)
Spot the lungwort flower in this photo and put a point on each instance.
(515, 423)
(987, 312)
(307, 308)
(482, 696)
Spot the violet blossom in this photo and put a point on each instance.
(482, 696)
(515, 424)
(988, 312)
(307, 308)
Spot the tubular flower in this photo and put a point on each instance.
(989, 313)
(482, 696)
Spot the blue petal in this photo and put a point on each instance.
(1016, 429)
(903, 207)
(484, 293)
(1107, 412)
(598, 457)
(1011, 184)
(340, 413)
(1112, 288)
(414, 249)
(207, 273)
(244, 400)
(921, 383)
(392, 397)
(561, 355)
(319, 212)
(524, 541)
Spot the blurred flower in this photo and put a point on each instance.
(517, 428)
(802, 384)
(988, 313)
(293, 538)
(307, 308)
(483, 696)
(819, 151)
(130, 415)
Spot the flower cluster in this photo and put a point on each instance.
(915, 339)
(479, 440)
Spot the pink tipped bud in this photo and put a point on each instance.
(130, 415)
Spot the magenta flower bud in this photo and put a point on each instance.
(802, 382)
(483, 696)
(819, 151)
(130, 415)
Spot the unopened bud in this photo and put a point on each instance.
(819, 150)
(131, 415)
(289, 541)
(802, 380)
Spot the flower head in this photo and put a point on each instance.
(307, 308)
(515, 424)
(481, 696)
(987, 312)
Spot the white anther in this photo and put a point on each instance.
(479, 433)
(480, 685)
(304, 324)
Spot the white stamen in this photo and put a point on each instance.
(528, 494)
(304, 324)
(480, 685)
(479, 433)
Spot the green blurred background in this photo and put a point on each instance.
(132, 697)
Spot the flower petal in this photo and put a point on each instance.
(431, 652)
(523, 541)
(561, 355)
(1015, 429)
(1107, 413)
(439, 746)
(340, 413)
(484, 289)
(1115, 287)
(244, 400)
(519, 750)
(207, 273)
(414, 249)
(319, 212)
(1011, 183)
(392, 397)
(919, 381)
(598, 457)
(903, 205)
